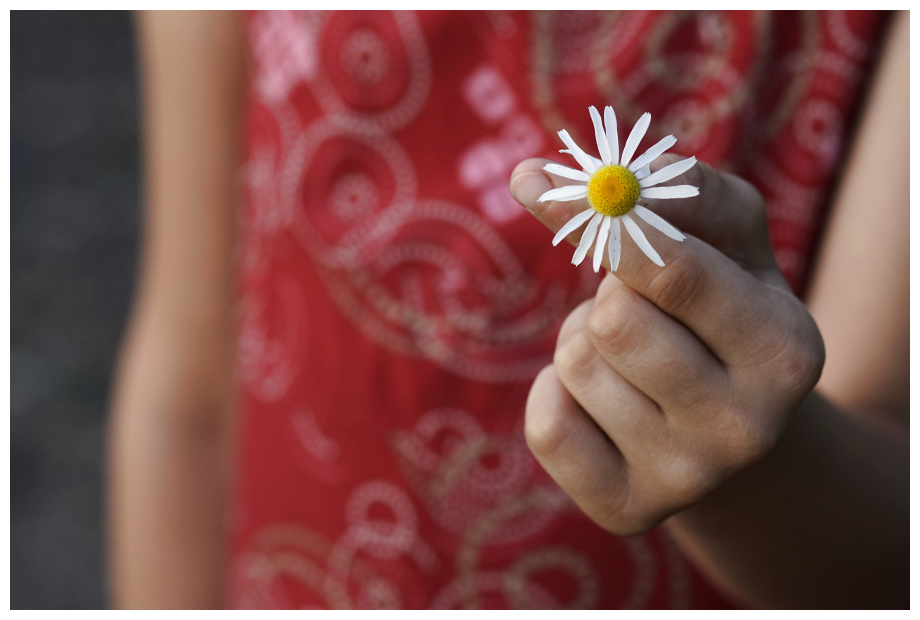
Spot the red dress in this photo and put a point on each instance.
(396, 303)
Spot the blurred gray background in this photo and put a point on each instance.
(74, 229)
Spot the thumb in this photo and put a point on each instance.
(529, 181)
(728, 213)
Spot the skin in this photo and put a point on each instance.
(671, 379)
(171, 419)
(682, 395)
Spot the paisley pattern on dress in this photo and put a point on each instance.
(396, 302)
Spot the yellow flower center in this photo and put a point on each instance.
(613, 191)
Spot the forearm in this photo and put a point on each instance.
(168, 481)
(172, 425)
(822, 521)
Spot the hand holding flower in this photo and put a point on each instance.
(672, 378)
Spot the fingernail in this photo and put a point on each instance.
(527, 186)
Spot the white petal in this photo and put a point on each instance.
(597, 163)
(669, 191)
(613, 246)
(655, 220)
(635, 137)
(641, 241)
(602, 147)
(572, 224)
(643, 172)
(568, 173)
(613, 142)
(587, 239)
(601, 243)
(667, 173)
(649, 156)
(569, 192)
(583, 159)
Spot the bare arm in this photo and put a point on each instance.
(171, 417)
(684, 394)
(824, 520)
(860, 293)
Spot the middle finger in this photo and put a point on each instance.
(654, 352)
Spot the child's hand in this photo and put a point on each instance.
(672, 378)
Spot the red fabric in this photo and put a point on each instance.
(396, 303)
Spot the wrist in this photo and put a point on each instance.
(834, 485)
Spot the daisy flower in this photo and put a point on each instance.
(614, 185)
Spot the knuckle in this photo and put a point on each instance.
(799, 358)
(611, 323)
(544, 437)
(756, 213)
(700, 176)
(800, 367)
(573, 357)
(575, 321)
(747, 438)
(679, 284)
(545, 433)
(711, 182)
(742, 212)
(756, 207)
(685, 478)
(753, 208)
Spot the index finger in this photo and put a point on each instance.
(726, 307)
